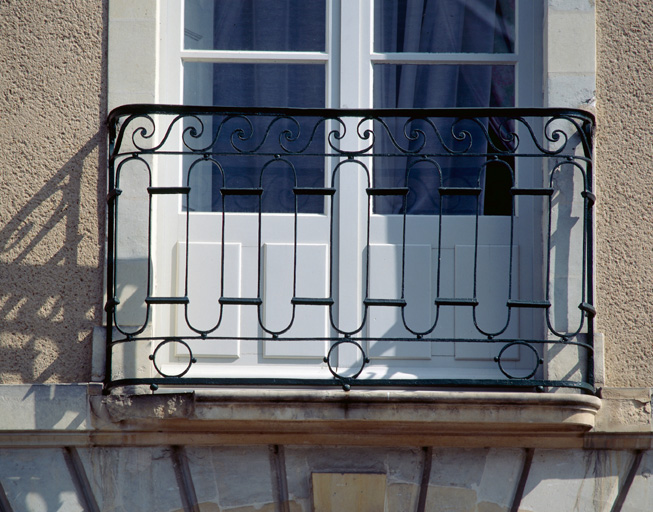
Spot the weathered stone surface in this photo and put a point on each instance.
(583, 481)
(46, 406)
(450, 499)
(270, 507)
(363, 492)
(242, 474)
(402, 496)
(499, 480)
(202, 469)
(132, 479)
(640, 496)
(207, 507)
(402, 466)
(458, 467)
(241, 478)
(302, 461)
(359, 417)
(475, 479)
(38, 481)
(625, 410)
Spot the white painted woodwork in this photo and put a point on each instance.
(204, 293)
(312, 282)
(492, 293)
(348, 60)
(385, 283)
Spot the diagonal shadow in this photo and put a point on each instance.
(52, 257)
(51, 285)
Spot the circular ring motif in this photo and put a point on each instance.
(538, 360)
(327, 359)
(191, 359)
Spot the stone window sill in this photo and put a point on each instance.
(367, 417)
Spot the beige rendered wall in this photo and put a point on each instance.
(51, 197)
(52, 186)
(624, 181)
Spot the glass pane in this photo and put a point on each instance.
(442, 86)
(256, 85)
(451, 26)
(260, 25)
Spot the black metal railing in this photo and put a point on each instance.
(515, 310)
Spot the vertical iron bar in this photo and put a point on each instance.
(475, 293)
(547, 275)
(331, 255)
(403, 243)
(5, 506)
(427, 462)
(110, 257)
(190, 169)
(622, 494)
(279, 478)
(259, 269)
(294, 264)
(590, 250)
(80, 480)
(184, 480)
(513, 172)
(523, 478)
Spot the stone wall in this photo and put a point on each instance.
(269, 478)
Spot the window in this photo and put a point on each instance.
(361, 54)
(349, 54)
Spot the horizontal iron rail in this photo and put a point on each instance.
(416, 339)
(532, 384)
(543, 112)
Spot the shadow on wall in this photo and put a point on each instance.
(53, 189)
(51, 277)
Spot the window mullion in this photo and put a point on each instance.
(355, 49)
(254, 56)
(444, 58)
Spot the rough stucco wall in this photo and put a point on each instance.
(624, 180)
(51, 217)
(52, 101)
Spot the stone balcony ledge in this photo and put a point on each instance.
(354, 417)
(79, 415)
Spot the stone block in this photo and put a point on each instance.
(625, 410)
(363, 492)
(583, 481)
(134, 40)
(572, 5)
(38, 480)
(571, 42)
(202, 470)
(640, 495)
(128, 9)
(473, 479)
(402, 496)
(451, 499)
(242, 474)
(132, 479)
(403, 468)
(45, 407)
(567, 90)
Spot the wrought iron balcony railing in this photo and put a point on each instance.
(448, 247)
